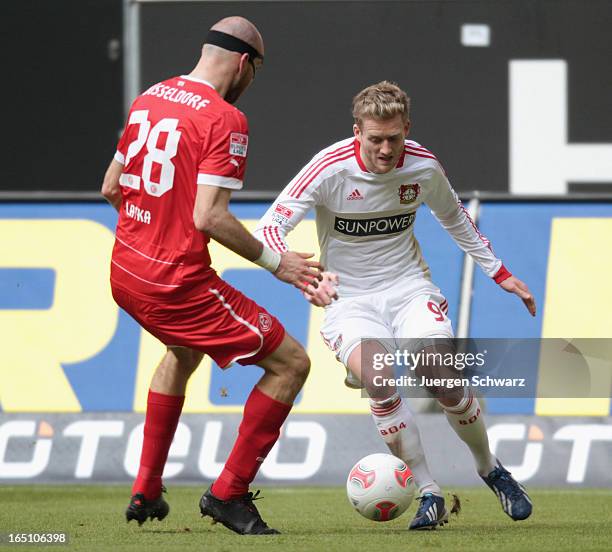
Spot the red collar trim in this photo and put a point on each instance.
(358, 157)
(400, 161)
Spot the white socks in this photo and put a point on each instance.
(465, 418)
(397, 427)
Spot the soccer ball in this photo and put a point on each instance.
(380, 487)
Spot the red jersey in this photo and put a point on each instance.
(180, 133)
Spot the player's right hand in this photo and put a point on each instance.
(325, 292)
(296, 269)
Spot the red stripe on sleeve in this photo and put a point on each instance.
(414, 146)
(482, 238)
(332, 161)
(315, 165)
(280, 240)
(410, 151)
(270, 240)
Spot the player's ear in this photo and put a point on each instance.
(406, 128)
(357, 131)
(244, 63)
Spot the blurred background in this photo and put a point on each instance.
(496, 85)
(512, 96)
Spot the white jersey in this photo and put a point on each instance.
(365, 221)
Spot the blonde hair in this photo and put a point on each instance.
(383, 100)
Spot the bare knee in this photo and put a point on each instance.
(286, 370)
(446, 393)
(298, 366)
(185, 360)
(174, 370)
(377, 380)
(290, 363)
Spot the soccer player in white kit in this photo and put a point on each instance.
(365, 191)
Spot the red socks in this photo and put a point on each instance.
(163, 412)
(262, 419)
(261, 422)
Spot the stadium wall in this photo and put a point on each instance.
(75, 368)
(314, 449)
(500, 90)
(510, 95)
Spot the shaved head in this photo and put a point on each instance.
(241, 28)
(233, 52)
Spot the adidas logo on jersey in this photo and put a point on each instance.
(355, 194)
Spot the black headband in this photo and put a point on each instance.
(231, 43)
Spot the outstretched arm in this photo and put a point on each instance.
(211, 215)
(285, 213)
(454, 218)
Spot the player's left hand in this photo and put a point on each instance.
(514, 285)
(325, 292)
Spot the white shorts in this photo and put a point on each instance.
(408, 310)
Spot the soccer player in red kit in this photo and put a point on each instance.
(183, 151)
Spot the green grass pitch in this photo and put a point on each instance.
(311, 519)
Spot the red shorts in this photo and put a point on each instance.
(221, 322)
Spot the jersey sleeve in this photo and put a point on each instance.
(287, 211)
(445, 205)
(224, 153)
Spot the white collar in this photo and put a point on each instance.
(187, 77)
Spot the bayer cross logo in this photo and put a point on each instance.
(408, 192)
